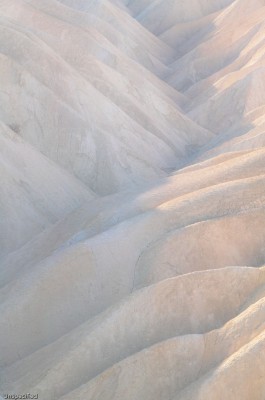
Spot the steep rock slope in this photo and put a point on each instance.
(147, 137)
(31, 198)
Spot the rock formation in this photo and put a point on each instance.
(132, 207)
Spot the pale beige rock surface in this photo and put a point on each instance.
(132, 206)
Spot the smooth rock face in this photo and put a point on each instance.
(132, 206)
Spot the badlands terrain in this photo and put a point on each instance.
(132, 206)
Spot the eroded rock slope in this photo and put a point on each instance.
(132, 207)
